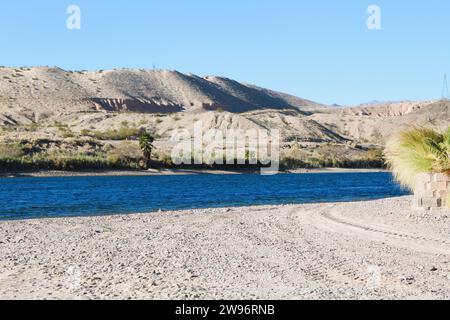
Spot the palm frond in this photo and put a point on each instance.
(418, 150)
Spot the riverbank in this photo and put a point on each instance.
(358, 250)
(93, 173)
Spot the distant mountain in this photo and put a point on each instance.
(134, 90)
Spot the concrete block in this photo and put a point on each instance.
(431, 190)
(441, 193)
(431, 202)
(420, 185)
(440, 177)
(441, 185)
(429, 193)
(424, 177)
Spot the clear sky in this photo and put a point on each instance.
(320, 50)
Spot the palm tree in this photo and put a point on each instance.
(146, 144)
(418, 150)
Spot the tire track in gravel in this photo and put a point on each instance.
(303, 253)
(326, 266)
(289, 254)
(353, 261)
(333, 220)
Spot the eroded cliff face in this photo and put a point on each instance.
(135, 105)
(394, 109)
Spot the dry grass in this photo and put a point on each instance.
(126, 154)
(418, 150)
(10, 151)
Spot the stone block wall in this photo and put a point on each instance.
(431, 190)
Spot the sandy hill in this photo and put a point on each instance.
(377, 122)
(32, 100)
(146, 91)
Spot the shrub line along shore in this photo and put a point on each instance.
(161, 172)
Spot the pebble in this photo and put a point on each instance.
(407, 279)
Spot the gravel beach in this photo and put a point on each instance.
(379, 249)
(153, 172)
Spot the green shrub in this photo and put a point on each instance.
(85, 132)
(54, 161)
(11, 150)
(60, 125)
(121, 134)
(126, 154)
(77, 161)
(296, 159)
(34, 126)
(67, 133)
(11, 164)
(165, 159)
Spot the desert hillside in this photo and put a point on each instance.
(148, 91)
(109, 107)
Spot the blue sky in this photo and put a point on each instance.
(320, 50)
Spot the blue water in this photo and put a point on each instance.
(22, 198)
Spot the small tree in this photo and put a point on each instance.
(146, 144)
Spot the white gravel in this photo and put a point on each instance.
(363, 250)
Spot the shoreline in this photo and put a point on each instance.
(161, 172)
(380, 249)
